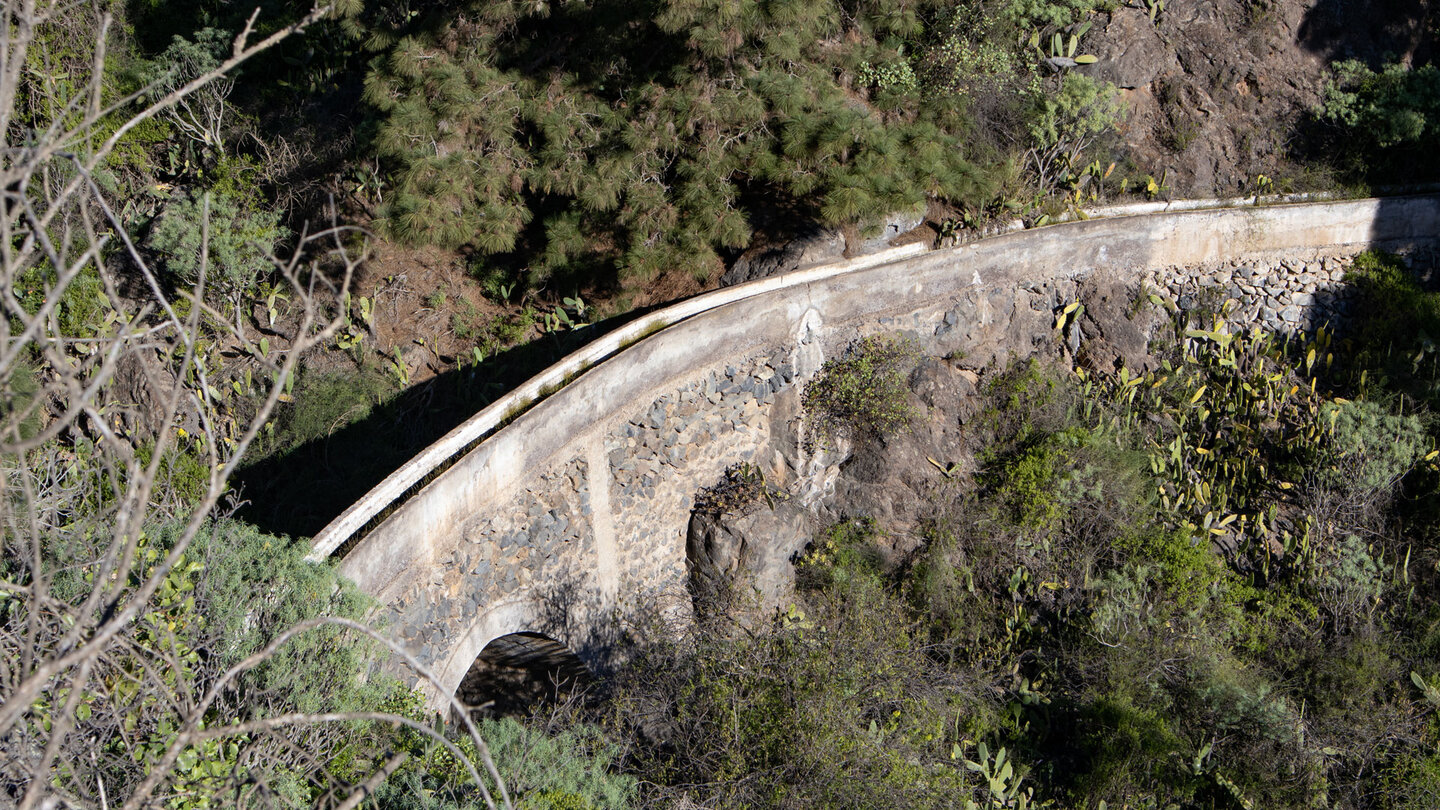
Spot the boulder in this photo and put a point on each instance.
(743, 559)
(814, 245)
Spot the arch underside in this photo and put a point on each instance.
(517, 671)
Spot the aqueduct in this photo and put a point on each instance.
(562, 508)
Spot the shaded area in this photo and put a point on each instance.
(1376, 123)
(1348, 29)
(307, 474)
(514, 674)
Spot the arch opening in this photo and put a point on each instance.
(518, 672)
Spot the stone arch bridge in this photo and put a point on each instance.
(562, 509)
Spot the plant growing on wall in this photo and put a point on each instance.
(862, 393)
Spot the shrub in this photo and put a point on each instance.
(1369, 448)
(863, 394)
(1398, 104)
(968, 56)
(242, 239)
(1129, 753)
(81, 309)
(18, 411)
(1412, 780)
(1082, 110)
(1029, 14)
(1038, 483)
(842, 553)
(836, 706)
(574, 768)
(325, 402)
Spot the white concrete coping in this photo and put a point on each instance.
(548, 381)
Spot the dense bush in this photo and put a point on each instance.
(1385, 119)
(1397, 104)
(640, 134)
(863, 393)
(573, 768)
(241, 238)
(838, 704)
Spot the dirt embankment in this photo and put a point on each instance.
(1219, 92)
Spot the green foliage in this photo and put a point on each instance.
(241, 239)
(233, 591)
(842, 553)
(836, 705)
(1186, 566)
(969, 55)
(573, 768)
(317, 671)
(1382, 122)
(1133, 752)
(643, 157)
(1371, 447)
(1081, 110)
(324, 403)
(1393, 332)
(1394, 106)
(862, 394)
(184, 476)
(1412, 781)
(1038, 483)
(1028, 14)
(894, 77)
(19, 413)
(82, 307)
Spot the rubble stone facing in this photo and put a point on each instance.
(1289, 295)
(537, 538)
(678, 444)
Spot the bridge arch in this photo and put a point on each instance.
(518, 671)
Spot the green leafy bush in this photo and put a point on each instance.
(862, 394)
(1392, 344)
(1041, 481)
(1370, 447)
(1029, 14)
(572, 768)
(81, 310)
(326, 402)
(837, 705)
(1082, 110)
(1398, 104)
(242, 238)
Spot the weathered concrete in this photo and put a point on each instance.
(571, 519)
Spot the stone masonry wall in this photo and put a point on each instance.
(1289, 294)
(537, 538)
(679, 443)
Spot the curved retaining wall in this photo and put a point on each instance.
(571, 519)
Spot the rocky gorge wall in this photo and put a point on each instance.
(573, 520)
